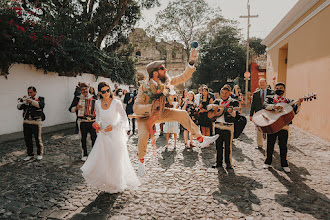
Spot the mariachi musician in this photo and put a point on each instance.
(84, 106)
(225, 111)
(33, 114)
(283, 134)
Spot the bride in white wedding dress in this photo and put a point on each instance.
(108, 166)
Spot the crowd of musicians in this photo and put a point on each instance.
(215, 113)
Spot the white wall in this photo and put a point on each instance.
(57, 90)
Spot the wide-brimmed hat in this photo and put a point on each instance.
(154, 65)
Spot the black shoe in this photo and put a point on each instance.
(229, 167)
(217, 165)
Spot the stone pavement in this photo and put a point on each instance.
(179, 183)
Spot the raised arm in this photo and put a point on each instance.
(188, 72)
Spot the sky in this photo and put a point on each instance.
(270, 14)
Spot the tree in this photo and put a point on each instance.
(96, 21)
(183, 20)
(222, 58)
(256, 46)
(66, 36)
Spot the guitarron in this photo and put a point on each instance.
(272, 121)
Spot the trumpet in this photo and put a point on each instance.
(23, 99)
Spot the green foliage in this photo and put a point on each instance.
(256, 46)
(183, 20)
(222, 58)
(67, 36)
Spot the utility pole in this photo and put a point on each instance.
(247, 74)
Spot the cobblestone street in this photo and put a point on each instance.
(179, 183)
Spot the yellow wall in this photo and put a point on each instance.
(308, 70)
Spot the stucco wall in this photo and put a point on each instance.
(57, 90)
(308, 70)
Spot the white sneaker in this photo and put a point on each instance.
(207, 140)
(266, 166)
(84, 158)
(141, 169)
(28, 158)
(39, 157)
(286, 169)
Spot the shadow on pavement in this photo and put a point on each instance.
(101, 208)
(300, 197)
(190, 157)
(238, 190)
(168, 158)
(30, 187)
(209, 155)
(244, 138)
(239, 156)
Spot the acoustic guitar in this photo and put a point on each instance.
(273, 121)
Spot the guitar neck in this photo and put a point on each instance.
(306, 98)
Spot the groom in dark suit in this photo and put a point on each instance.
(258, 100)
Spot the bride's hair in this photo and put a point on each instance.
(104, 84)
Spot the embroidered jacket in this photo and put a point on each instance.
(226, 117)
(34, 110)
(272, 100)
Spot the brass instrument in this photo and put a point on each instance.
(23, 99)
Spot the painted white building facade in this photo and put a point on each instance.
(57, 90)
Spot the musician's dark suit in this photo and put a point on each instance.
(129, 101)
(282, 135)
(224, 126)
(257, 105)
(84, 125)
(33, 115)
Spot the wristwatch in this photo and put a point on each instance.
(191, 62)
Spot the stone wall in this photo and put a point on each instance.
(147, 49)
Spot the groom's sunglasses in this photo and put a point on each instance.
(161, 68)
(104, 91)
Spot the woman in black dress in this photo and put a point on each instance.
(204, 121)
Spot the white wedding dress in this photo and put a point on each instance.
(108, 166)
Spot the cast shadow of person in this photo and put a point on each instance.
(103, 207)
(300, 197)
(239, 156)
(167, 158)
(190, 157)
(244, 138)
(238, 190)
(209, 155)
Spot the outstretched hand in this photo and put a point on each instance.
(193, 55)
